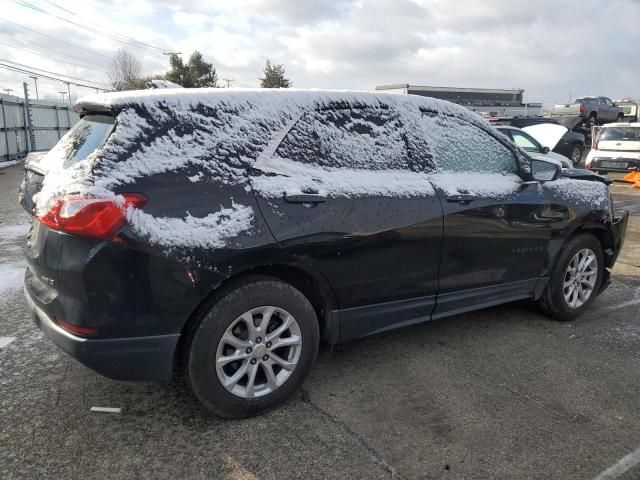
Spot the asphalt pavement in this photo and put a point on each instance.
(503, 393)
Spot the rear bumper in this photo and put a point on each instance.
(136, 358)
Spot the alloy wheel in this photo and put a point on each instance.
(258, 352)
(580, 278)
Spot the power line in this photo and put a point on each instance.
(22, 65)
(19, 70)
(49, 56)
(40, 75)
(31, 72)
(112, 36)
(101, 27)
(55, 38)
(51, 50)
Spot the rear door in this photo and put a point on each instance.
(341, 193)
(496, 228)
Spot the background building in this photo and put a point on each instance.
(485, 101)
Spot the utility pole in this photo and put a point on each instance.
(35, 81)
(63, 93)
(69, 92)
(31, 134)
(228, 80)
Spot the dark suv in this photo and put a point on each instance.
(223, 234)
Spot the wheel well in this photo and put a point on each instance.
(593, 114)
(604, 237)
(320, 298)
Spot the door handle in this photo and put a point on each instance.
(463, 198)
(305, 198)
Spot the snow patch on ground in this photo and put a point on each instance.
(10, 163)
(12, 275)
(212, 231)
(13, 232)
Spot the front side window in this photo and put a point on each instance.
(525, 142)
(458, 146)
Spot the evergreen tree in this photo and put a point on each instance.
(196, 73)
(274, 77)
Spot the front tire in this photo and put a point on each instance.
(575, 280)
(253, 348)
(575, 155)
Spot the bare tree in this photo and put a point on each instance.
(125, 71)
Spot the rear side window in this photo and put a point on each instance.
(458, 146)
(86, 136)
(360, 138)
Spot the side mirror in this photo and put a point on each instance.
(545, 150)
(545, 171)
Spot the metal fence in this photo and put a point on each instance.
(30, 126)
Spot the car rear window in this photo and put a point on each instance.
(620, 133)
(86, 136)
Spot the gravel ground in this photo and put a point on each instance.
(501, 393)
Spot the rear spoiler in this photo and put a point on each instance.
(83, 109)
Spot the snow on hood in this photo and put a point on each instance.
(547, 134)
(220, 134)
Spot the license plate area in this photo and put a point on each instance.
(612, 164)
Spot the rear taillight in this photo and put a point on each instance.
(582, 108)
(91, 216)
(76, 329)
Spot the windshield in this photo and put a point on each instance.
(620, 133)
(88, 135)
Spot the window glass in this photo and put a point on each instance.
(359, 138)
(455, 145)
(524, 142)
(620, 133)
(86, 136)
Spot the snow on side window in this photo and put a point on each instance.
(361, 138)
(458, 146)
(344, 152)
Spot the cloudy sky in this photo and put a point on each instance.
(551, 48)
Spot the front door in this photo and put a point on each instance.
(340, 194)
(496, 228)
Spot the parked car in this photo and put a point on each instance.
(616, 149)
(567, 142)
(630, 108)
(530, 145)
(592, 110)
(223, 234)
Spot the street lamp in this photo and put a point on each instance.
(35, 80)
(8, 90)
(63, 93)
(172, 53)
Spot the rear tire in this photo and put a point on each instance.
(620, 118)
(264, 375)
(575, 279)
